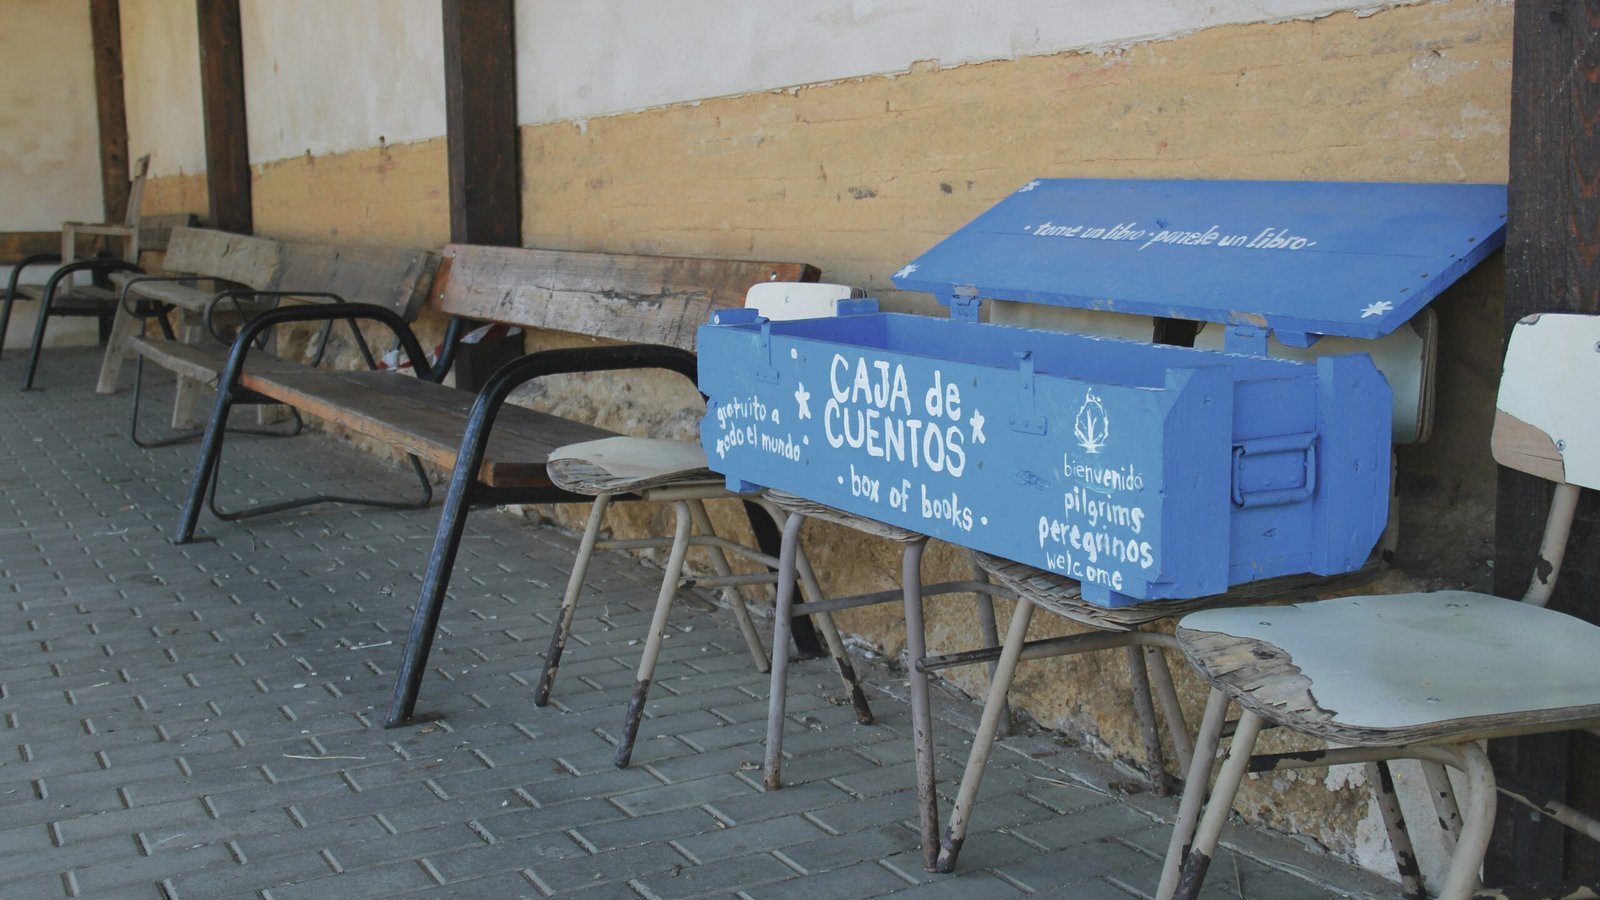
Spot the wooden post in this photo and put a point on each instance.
(480, 77)
(105, 26)
(1553, 241)
(222, 102)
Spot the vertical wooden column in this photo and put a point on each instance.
(480, 77)
(222, 102)
(105, 26)
(1552, 249)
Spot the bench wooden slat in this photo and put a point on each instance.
(18, 245)
(192, 297)
(424, 418)
(250, 261)
(643, 299)
(393, 277)
(203, 363)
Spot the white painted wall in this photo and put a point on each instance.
(600, 57)
(327, 77)
(161, 85)
(51, 169)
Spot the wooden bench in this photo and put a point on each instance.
(213, 281)
(646, 308)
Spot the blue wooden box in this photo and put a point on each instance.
(1143, 470)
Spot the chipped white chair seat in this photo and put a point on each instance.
(1419, 676)
(1402, 668)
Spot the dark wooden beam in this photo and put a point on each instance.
(480, 79)
(1552, 245)
(222, 103)
(105, 27)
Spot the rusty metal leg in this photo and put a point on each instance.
(1462, 878)
(812, 590)
(735, 600)
(921, 708)
(782, 617)
(1220, 804)
(1443, 794)
(988, 727)
(569, 601)
(1394, 822)
(991, 635)
(1171, 709)
(1144, 708)
(1194, 790)
(658, 630)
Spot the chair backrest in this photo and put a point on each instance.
(1545, 423)
(784, 300)
(141, 168)
(242, 258)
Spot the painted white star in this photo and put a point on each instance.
(803, 398)
(1028, 187)
(1376, 309)
(906, 272)
(977, 428)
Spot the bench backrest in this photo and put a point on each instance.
(242, 258)
(616, 297)
(395, 277)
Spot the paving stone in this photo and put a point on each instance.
(183, 709)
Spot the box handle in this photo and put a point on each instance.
(1259, 481)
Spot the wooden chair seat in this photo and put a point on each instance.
(622, 465)
(1400, 668)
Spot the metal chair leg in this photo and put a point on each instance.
(1444, 802)
(921, 708)
(658, 628)
(1394, 822)
(991, 635)
(1465, 864)
(1171, 709)
(1218, 806)
(1194, 791)
(569, 600)
(735, 600)
(1144, 709)
(37, 346)
(988, 729)
(782, 624)
(182, 437)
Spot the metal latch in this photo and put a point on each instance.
(1273, 471)
(1025, 420)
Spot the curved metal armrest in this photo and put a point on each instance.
(85, 265)
(243, 293)
(257, 328)
(38, 259)
(574, 360)
(122, 296)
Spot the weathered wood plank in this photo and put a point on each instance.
(105, 28)
(17, 245)
(394, 277)
(222, 103)
(646, 299)
(425, 419)
(251, 261)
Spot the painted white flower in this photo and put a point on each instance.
(802, 398)
(1376, 309)
(906, 272)
(1028, 187)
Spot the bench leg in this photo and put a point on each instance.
(205, 467)
(122, 328)
(297, 424)
(569, 601)
(658, 630)
(5, 316)
(35, 348)
(430, 602)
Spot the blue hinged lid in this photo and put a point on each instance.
(1315, 258)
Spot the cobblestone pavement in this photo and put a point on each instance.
(203, 721)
